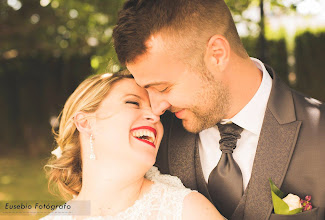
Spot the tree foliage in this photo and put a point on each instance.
(68, 28)
(48, 46)
(61, 28)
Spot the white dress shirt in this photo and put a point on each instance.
(250, 118)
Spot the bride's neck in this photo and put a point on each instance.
(111, 190)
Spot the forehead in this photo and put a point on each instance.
(120, 91)
(157, 65)
(125, 87)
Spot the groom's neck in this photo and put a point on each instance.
(243, 79)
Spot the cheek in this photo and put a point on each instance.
(183, 96)
(160, 129)
(195, 90)
(113, 132)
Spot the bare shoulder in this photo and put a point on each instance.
(196, 206)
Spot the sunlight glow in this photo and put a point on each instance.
(309, 7)
(73, 13)
(55, 4)
(64, 44)
(34, 19)
(106, 75)
(115, 68)
(15, 4)
(44, 3)
(10, 54)
(92, 41)
(94, 62)
(108, 32)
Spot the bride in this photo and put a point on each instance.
(109, 140)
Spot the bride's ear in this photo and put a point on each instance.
(83, 122)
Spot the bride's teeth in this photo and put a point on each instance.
(149, 134)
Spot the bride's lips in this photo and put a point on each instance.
(146, 128)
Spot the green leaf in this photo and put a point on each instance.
(276, 190)
(295, 211)
(280, 207)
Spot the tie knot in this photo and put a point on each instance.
(229, 134)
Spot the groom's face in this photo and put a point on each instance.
(195, 97)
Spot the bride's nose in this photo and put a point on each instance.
(150, 116)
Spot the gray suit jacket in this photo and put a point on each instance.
(291, 151)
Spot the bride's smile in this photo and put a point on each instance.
(124, 126)
(146, 134)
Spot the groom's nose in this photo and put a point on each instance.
(158, 104)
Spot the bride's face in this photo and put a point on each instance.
(125, 127)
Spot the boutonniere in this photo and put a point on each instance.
(288, 204)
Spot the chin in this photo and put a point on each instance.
(147, 159)
(197, 124)
(191, 126)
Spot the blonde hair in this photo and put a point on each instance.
(65, 173)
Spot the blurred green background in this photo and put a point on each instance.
(47, 47)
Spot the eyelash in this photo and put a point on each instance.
(133, 103)
(163, 89)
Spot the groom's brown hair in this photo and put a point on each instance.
(194, 21)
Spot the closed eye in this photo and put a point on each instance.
(133, 103)
(163, 90)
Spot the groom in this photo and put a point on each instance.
(232, 123)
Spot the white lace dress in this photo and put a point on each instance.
(163, 201)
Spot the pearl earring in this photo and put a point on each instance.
(92, 154)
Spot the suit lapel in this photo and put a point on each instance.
(181, 150)
(272, 159)
(275, 147)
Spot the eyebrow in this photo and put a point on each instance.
(132, 95)
(154, 84)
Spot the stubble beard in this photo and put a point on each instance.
(212, 103)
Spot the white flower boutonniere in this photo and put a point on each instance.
(293, 201)
(290, 204)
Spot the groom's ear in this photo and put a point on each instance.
(217, 53)
(83, 122)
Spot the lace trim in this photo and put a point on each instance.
(163, 201)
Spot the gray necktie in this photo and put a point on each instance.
(225, 181)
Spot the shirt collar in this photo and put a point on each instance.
(252, 115)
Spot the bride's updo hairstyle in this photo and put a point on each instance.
(65, 172)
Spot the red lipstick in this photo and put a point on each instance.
(147, 128)
(145, 141)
